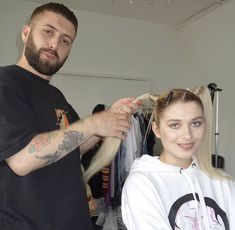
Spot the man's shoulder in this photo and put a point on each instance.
(7, 70)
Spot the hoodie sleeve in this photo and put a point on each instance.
(142, 207)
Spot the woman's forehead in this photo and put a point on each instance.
(182, 110)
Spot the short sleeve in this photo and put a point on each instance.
(16, 122)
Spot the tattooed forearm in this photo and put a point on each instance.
(40, 142)
(71, 140)
(50, 158)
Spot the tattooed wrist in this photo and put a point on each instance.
(71, 140)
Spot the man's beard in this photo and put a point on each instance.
(33, 57)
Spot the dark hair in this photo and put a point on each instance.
(59, 9)
(98, 108)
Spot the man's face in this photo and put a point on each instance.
(42, 65)
(49, 42)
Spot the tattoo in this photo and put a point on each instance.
(40, 142)
(50, 158)
(71, 140)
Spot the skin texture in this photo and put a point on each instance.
(181, 131)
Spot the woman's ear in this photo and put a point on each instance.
(155, 128)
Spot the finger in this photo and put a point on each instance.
(131, 108)
(122, 116)
(127, 100)
(121, 135)
(118, 104)
(126, 109)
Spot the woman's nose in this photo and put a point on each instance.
(186, 133)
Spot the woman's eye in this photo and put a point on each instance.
(196, 123)
(174, 125)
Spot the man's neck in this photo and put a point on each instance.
(25, 65)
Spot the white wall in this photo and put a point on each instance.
(199, 53)
(106, 45)
(85, 92)
(208, 55)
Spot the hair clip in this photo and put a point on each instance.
(185, 93)
(169, 97)
(197, 92)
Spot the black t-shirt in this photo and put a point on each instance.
(53, 197)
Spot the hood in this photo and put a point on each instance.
(149, 165)
(152, 164)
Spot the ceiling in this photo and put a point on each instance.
(172, 12)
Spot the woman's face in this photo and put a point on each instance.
(181, 130)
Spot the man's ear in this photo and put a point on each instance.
(155, 128)
(25, 33)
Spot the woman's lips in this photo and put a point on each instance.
(185, 146)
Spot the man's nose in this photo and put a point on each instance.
(54, 43)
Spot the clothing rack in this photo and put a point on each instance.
(217, 160)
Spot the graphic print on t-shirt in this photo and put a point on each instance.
(62, 119)
(183, 214)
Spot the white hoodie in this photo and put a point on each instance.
(159, 196)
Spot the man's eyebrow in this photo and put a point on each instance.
(54, 28)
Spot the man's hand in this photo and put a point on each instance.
(116, 121)
(126, 105)
(110, 124)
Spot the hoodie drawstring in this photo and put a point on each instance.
(201, 200)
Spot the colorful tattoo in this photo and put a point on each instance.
(40, 142)
(71, 141)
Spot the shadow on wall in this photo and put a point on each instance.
(19, 46)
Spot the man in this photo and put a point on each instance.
(41, 139)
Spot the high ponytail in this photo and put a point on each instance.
(107, 151)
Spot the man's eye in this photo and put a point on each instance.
(49, 32)
(66, 42)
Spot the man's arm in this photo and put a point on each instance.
(47, 148)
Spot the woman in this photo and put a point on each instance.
(179, 189)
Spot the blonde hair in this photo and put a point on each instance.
(107, 151)
(201, 96)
